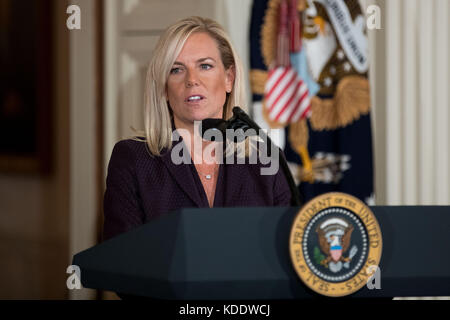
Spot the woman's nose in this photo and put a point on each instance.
(191, 79)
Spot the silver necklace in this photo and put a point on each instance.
(209, 175)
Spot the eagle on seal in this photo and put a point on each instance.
(334, 240)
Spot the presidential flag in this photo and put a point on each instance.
(317, 90)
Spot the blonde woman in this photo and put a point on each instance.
(194, 74)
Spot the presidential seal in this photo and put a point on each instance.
(334, 242)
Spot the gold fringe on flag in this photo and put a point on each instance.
(258, 80)
(269, 32)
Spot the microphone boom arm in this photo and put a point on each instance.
(236, 122)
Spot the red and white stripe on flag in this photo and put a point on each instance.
(286, 96)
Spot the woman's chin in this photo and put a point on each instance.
(200, 117)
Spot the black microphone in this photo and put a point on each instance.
(239, 123)
(214, 124)
(240, 120)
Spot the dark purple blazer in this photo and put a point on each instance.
(140, 187)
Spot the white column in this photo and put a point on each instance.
(426, 102)
(82, 137)
(394, 155)
(442, 103)
(110, 79)
(408, 90)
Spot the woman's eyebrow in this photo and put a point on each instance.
(204, 59)
(198, 61)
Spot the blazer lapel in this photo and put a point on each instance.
(182, 174)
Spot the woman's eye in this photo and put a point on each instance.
(205, 66)
(175, 70)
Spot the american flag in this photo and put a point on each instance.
(286, 96)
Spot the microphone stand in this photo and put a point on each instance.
(241, 120)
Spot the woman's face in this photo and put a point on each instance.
(198, 82)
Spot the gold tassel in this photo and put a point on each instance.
(298, 137)
(306, 172)
(298, 134)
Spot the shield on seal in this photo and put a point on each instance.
(336, 253)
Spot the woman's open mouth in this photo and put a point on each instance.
(195, 99)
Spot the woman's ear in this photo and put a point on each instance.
(230, 75)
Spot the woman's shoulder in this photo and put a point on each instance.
(127, 146)
(130, 152)
(136, 143)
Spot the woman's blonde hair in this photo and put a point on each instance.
(157, 116)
